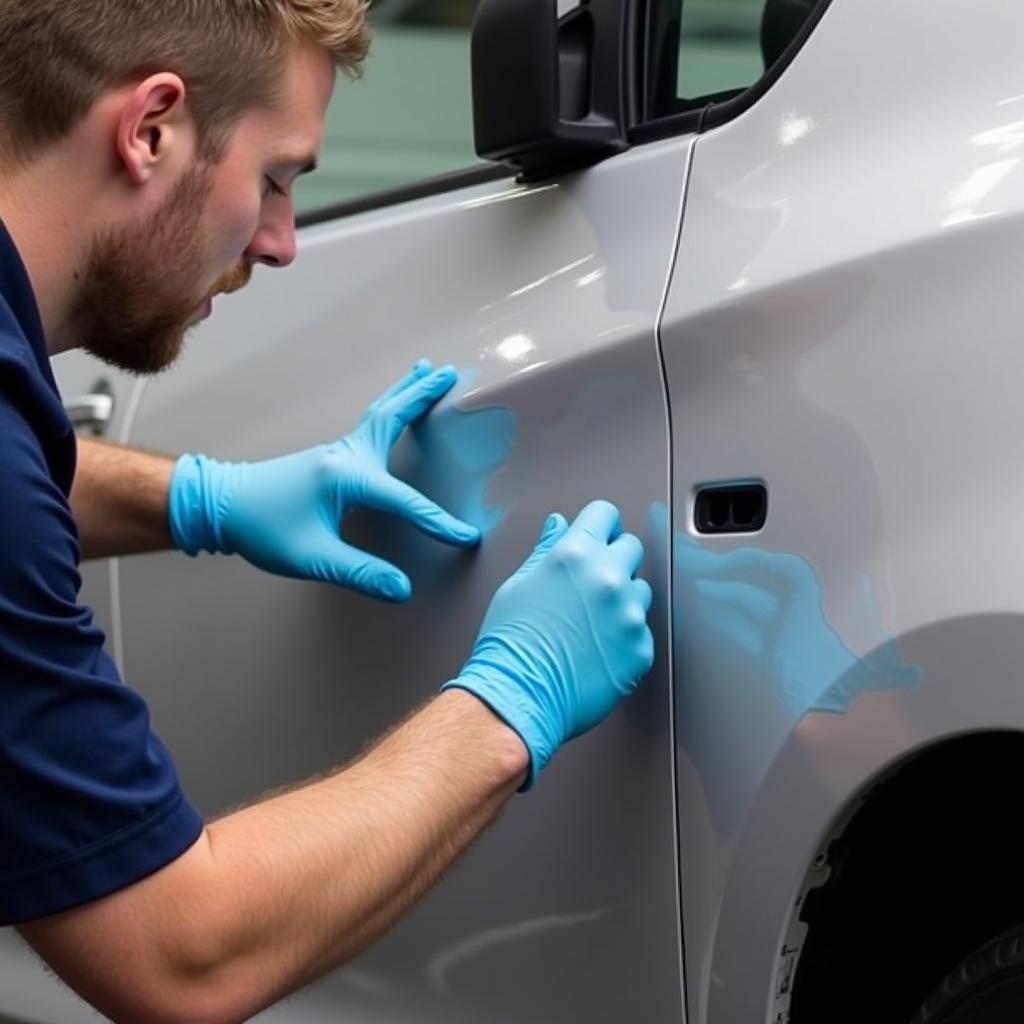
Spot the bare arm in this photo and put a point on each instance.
(282, 514)
(119, 500)
(276, 895)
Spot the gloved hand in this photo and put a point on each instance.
(284, 515)
(566, 638)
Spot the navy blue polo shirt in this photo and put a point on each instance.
(89, 798)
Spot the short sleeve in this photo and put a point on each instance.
(89, 797)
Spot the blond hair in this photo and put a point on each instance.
(58, 57)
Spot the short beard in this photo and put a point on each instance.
(141, 289)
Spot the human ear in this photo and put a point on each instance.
(152, 125)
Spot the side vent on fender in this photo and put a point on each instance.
(731, 508)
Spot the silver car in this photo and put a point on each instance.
(751, 269)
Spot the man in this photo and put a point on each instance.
(147, 152)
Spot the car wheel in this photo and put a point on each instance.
(986, 987)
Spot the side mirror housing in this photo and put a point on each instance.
(551, 90)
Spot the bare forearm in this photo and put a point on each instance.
(119, 500)
(278, 894)
(374, 839)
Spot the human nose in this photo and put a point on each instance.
(274, 243)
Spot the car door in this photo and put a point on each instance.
(545, 296)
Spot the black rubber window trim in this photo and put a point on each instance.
(441, 183)
(718, 110)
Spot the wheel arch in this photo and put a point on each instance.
(915, 874)
(958, 739)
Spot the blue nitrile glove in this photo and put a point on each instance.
(566, 638)
(284, 515)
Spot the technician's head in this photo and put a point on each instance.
(168, 134)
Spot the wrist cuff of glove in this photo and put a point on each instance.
(517, 714)
(191, 505)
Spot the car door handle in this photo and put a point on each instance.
(731, 508)
(92, 412)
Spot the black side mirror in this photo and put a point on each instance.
(551, 93)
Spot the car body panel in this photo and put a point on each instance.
(546, 297)
(79, 374)
(531, 292)
(844, 325)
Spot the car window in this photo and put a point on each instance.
(719, 46)
(710, 50)
(410, 116)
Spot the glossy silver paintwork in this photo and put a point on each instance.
(546, 298)
(845, 323)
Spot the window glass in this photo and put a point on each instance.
(720, 46)
(712, 49)
(410, 116)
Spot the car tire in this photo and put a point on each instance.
(986, 987)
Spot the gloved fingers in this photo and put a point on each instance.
(642, 594)
(358, 570)
(389, 494)
(418, 372)
(627, 552)
(646, 655)
(553, 530)
(416, 400)
(600, 520)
